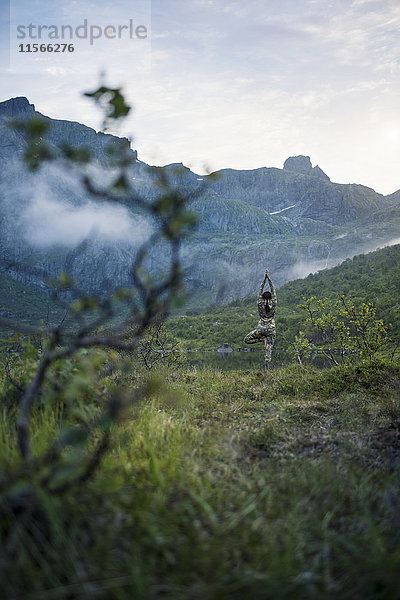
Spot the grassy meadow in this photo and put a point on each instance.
(216, 485)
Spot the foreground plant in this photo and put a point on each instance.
(95, 322)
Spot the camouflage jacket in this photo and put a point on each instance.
(266, 309)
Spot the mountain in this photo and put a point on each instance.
(299, 193)
(295, 220)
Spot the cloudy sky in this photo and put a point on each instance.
(229, 83)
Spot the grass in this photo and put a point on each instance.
(221, 485)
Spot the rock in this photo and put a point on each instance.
(318, 172)
(302, 164)
(298, 164)
(16, 107)
(225, 349)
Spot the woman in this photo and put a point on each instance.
(265, 330)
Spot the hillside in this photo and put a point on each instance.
(295, 219)
(371, 277)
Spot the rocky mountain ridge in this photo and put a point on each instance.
(293, 219)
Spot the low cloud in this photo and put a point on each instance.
(393, 242)
(49, 222)
(303, 268)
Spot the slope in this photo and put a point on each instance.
(372, 277)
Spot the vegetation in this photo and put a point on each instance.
(345, 328)
(221, 485)
(371, 278)
(59, 363)
(156, 346)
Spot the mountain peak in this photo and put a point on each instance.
(302, 164)
(15, 107)
(318, 172)
(298, 164)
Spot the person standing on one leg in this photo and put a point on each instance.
(266, 329)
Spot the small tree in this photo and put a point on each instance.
(98, 322)
(369, 333)
(344, 328)
(301, 347)
(156, 346)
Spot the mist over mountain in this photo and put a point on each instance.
(295, 220)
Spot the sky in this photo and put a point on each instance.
(227, 83)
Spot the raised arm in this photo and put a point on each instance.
(274, 299)
(260, 291)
